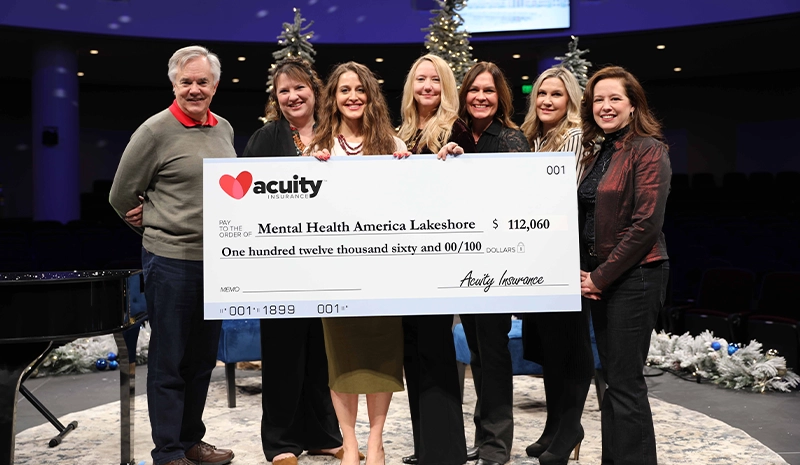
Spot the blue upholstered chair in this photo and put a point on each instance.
(138, 306)
(519, 365)
(239, 341)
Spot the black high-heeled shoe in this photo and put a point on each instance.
(570, 432)
(551, 458)
(553, 385)
(537, 448)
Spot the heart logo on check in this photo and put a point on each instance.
(238, 186)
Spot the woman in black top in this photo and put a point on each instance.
(485, 104)
(622, 197)
(297, 411)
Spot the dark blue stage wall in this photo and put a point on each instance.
(352, 21)
(743, 123)
(708, 125)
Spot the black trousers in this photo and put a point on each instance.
(490, 361)
(298, 413)
(434, 393)
(623, 321)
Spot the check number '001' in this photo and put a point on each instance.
(329, 309)
(555, 170)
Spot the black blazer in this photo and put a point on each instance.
(274, 139)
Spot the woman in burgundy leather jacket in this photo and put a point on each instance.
(622, 196)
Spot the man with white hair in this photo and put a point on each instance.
(162, 167)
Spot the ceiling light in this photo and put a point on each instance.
(242, 58)
(379, 60)
(80, 73)
(526, 77)
(661, 47)
(235, 80)
(516, 56)
(93, 52)
(380, 81)
(677, 69)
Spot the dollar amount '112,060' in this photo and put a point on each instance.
(527, 225)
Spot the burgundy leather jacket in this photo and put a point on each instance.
(629, 209)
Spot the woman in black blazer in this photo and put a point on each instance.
(297, 411)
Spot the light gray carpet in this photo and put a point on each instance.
(684, 436)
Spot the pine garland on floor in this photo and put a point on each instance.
(714, 359)
(81, 355)
(705, 357)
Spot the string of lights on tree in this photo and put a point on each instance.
(446, 37)
(295, 41)
(574, 61)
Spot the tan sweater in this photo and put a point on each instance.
(164, 162)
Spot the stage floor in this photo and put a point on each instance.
(771, 418)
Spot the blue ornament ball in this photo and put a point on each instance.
(113, 365)
(101, 364)
(111, 356)
(732, 349)
(715, 345)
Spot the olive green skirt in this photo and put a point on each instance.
(365, 354)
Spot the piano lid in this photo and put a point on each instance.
(64, 305)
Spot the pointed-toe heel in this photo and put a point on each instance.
(536, 449)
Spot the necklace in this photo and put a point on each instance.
(348, 149)
(412, 142)
(298, 143)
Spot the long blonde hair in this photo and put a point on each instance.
(376, 125)
(438, 129)
(533, 127)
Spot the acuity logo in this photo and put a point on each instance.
(297, 187)
(238, 186)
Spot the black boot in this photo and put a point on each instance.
(570, 432)
(553, 384)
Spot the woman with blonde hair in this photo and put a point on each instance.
(560, 342)
(430, 108)
(365, 354)
(553, 121)
(431, 125)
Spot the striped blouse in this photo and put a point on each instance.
(572, 143)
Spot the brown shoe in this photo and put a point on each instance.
(205, 454)
(180, 461)
(286, 461)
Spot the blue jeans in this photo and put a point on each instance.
(182, 354)
(623, 321)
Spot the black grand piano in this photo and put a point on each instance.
(40, 310)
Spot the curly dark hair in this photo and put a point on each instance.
(376, 126)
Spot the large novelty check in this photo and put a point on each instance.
(359, 236)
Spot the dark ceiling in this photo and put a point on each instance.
(713, 51)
